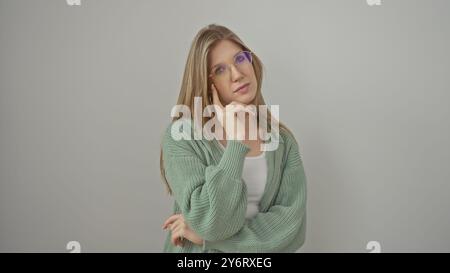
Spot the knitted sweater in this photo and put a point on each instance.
(208, 190)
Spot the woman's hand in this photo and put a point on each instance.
(231, 111)
(181, 230)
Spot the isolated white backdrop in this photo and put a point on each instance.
(86, 91)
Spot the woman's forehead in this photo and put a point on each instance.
(224, 51)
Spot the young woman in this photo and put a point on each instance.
(230, 194)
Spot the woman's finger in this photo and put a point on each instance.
(252, 110)
(173, 238)
(236, 103)
(215, 95)
(176, 223)
(237, 108)
(176, 237)
(240, 107)
(179, 232)
(170, 220)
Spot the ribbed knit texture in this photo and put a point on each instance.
(210, 193)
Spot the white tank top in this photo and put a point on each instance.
(254, 174)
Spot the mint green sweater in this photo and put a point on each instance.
(208, 189)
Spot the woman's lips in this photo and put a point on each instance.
(242, 89)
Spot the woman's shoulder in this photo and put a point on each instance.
(179, 136)
(291, 152)
(180, 129)
(287, 137)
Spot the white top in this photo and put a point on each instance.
(254, 174)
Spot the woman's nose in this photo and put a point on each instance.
(235, 73)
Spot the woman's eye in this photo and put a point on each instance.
(219, 70)
(240, 58)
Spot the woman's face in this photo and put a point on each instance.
(229, 70)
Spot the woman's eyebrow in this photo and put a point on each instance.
(234, 56)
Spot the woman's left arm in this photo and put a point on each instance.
(282, 228)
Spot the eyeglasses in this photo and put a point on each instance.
(241, 60)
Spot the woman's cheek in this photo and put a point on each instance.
(227, 98)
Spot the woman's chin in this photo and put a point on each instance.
(245, 98)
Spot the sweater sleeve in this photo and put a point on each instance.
(212, 198)
(282, 227)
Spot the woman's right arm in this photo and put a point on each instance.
(212, 198)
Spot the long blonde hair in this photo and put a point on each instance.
(196, 81)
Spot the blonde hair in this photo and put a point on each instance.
(196, 81)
